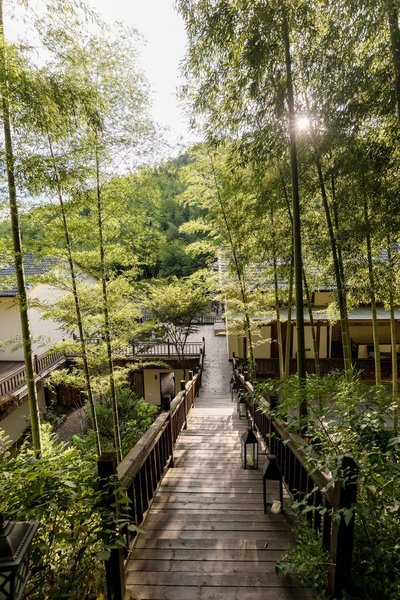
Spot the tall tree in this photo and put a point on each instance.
(5, 70)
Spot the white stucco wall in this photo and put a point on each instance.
(151, 378)
(308, 342)
(323, 342)
(262, 344)
(45, 332)
(18, 421)
(10, 329)
(233, 345)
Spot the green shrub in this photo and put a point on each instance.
(59, 490)
(350, 418)
(135, 417)
(306, 561)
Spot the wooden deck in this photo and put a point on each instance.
(206, 536)
(9, 366)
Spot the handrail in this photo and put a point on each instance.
(154, 348)
(163, 349)
(305, 481)
(142, 470)
(12, 381)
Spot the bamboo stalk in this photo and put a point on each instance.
(17, 247)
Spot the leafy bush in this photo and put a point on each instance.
(306, 561)
(348, 418)
(135, 417)
(59, 490)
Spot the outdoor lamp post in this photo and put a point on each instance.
(242, 406)
(249, 450)
(272, 472)
(15, 542)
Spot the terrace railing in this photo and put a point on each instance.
(166, 349)
(16, 379)
(154, 348)
(327, 499)
(140, 474)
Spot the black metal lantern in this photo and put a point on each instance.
(272, 472)
(242, 406)
(233, 388)
(249, 450)
(15, 541)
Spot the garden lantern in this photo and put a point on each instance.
(233, 388)
(15, 542)
(242, 406)
(249, 450)
(272, 472)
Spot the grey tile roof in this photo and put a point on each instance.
(32, 268)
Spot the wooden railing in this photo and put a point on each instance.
(47, 361)
(166, 349)
(17, 379)
(326, 499)
(12, 381)
(202, 319)
(150, 348)
(269, 367)
(140, 473)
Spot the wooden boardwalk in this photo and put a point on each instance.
(206, 536)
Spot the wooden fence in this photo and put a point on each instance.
(326, 501)
(140, 474)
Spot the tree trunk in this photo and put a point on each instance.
(314, 339)
(301, 355)
(17, 247)
(241, 280)
(393, 339)
(278, 325)
(277, 309)
(289, 322)
(338, 268)
(76, 299)
(393, 21)
(107, 329)
(377, 354)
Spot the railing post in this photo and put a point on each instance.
(183, 389)
(342, 536)
(36, 364)
(192, 388)
(169, 349)
(114, 565)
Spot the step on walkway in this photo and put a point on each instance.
(206, 536)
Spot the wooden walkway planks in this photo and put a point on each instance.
(206, 536)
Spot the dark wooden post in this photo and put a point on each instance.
(169, 348)
(342, 536)
(114, 565)
(183, 389)
(192, 388)
(36, 364)
(171, 436)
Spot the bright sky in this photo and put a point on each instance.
(161, 55)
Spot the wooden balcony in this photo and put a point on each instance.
(13, 378)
